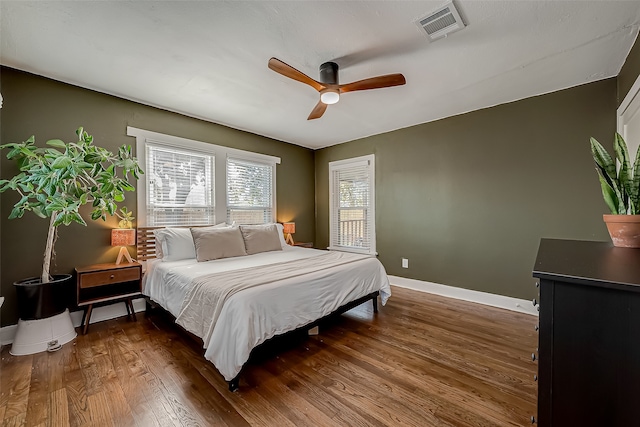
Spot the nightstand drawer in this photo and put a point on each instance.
(101, 278)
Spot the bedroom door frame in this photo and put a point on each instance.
(628, 111)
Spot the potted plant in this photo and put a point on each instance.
(621, 191)
(54, 182)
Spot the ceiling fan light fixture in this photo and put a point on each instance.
(329, 97)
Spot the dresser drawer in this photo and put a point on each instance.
(101, 278)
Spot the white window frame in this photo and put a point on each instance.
(369, 160)
(220, 154)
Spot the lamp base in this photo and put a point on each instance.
(289, 239)
(123, 253)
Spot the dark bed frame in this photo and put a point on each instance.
(146, 250)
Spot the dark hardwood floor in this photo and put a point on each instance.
(423, 360)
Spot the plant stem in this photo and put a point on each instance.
(48, 251)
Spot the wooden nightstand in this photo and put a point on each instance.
(102, 284)
(304, 244)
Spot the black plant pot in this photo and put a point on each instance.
(37, 300)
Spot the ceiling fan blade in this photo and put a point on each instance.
(288, 71)
(317, 111)
(379, 82)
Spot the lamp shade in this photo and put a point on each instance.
(123, 237)
(289, 227)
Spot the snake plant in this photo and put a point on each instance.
(620, 186)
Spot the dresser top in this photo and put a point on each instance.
(593, 263)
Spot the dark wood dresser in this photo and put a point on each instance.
(589, 342)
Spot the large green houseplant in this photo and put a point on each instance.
(54, 182)
(620, 184)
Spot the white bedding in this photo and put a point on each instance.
(245, 320)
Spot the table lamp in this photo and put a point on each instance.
(123, 237)
(289, 229)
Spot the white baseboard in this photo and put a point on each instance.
(494, 300)
(99, 314)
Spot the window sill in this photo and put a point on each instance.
(352, 250)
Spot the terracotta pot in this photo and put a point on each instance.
(624, 230)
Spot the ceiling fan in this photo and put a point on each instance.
(328, 85)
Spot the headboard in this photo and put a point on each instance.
(146, 241)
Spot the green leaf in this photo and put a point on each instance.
(607, 170)
(603, 159)
(93, 158)
(608, 194)
(622, 154)
(127, 187)
(38, 211)
(57, 143)
(16, 213)
(614, 184)
(118, 197)
(107, 188)
(96, 214)
(75, 216)
(22, 200)
(61, 162)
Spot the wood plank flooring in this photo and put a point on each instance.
(423, 360)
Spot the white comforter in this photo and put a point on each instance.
(256, 314)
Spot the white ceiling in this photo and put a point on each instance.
(209, 59)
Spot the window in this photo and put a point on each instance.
(249, 192)
(190, 182)
(180, 186)
(351, 205)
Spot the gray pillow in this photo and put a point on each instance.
(260, 238)
(215, 243)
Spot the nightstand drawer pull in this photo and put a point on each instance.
(99, 278)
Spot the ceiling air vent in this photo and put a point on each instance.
(442, 22)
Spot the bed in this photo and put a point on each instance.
(235, 303)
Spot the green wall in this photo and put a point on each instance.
(629, 72)
(466, 199)
(48, 109)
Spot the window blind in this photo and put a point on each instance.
(249, 191)
(180, 186)
(352, 224)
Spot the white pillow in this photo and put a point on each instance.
(175, 244)
(281, 234)
(159, 254)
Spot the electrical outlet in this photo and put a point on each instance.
(405, 262)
